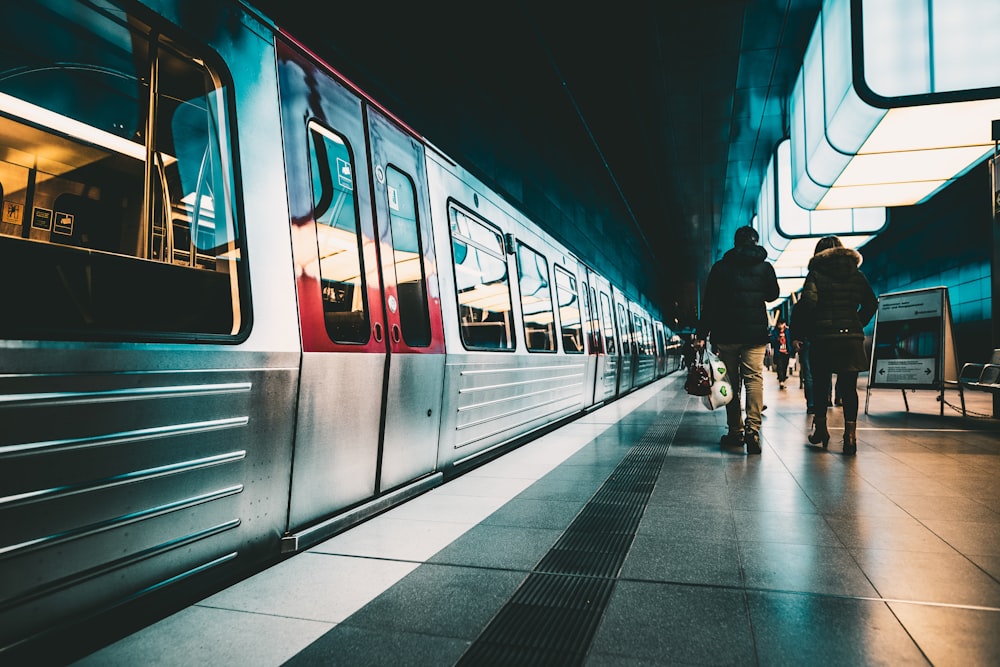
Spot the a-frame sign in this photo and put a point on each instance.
(913, 346)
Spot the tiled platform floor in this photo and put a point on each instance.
(799, 556)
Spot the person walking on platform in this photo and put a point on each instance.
(800, 345)
(734, 317)
(782, 346)
(837, 303)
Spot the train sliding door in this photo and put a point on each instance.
(412, 305)
(351, 324)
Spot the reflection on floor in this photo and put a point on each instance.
(798, 556)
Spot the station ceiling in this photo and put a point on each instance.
(674, 107)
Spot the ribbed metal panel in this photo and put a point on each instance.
(551, 619)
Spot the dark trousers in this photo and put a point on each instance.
(781, 365)
(847, 388)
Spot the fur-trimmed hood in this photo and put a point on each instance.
(837, 262)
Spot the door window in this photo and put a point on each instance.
(570, 321)
(536, 300)
(408, 257)
(345, 309)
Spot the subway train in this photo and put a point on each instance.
(247, 307)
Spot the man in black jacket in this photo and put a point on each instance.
(734, 316)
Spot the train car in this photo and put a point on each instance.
(247, 307)
(669, 350)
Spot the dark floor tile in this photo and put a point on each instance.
(671, 624)
(360, 647)
(919, 576)
(896, 533)
(442, 600)
(946, 508)
(683, 523)
(784, 527)
(786, 567)
(869, 503)
(952, 636)
(772, 500)
(969, 537)
(796, 629)
(534, 513)
(512, 548)
(560, 489)
(668, 559)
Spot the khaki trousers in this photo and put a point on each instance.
(745, 366)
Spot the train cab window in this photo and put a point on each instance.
(536, 300)
(484, 304)
(608, 325)
(118, 184)
(408, 257)
(338, 237)
(570, 322)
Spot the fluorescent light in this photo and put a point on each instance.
(890, 114)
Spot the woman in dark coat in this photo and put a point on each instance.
(837, 303)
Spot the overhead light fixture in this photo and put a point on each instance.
(894, 100)
(789, 232)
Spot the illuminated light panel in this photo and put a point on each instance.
(789, 232)
(919, 117)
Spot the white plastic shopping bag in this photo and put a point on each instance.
(722, 390)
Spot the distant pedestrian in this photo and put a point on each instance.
(837, 302)
(734, 317)
(781, 345)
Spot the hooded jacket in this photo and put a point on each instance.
(837, 300)
(738, 287)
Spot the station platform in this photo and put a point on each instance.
(630, 537)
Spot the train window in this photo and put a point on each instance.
(411, 288)
(609, 325)
(536, 300)
(569, 311)
(626, 330)
(118, 188)
(338, 237)
(596, 333)
(484, 304)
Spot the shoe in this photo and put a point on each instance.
(752, 440)
(850, 438)
(781, 385)
(730, 440)
(820, 434)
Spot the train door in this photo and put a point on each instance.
(627, 342)
(411, 302)
(595, 342)
(344, 364)
(608, 363)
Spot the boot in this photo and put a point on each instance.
(820, 434)
(752, 440)
(850, 438)
(732, 439)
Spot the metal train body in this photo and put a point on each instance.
(246, 307)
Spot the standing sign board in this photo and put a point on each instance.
(913, 346)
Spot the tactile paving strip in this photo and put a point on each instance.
(551, 619)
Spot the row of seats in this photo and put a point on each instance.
(982, 377)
